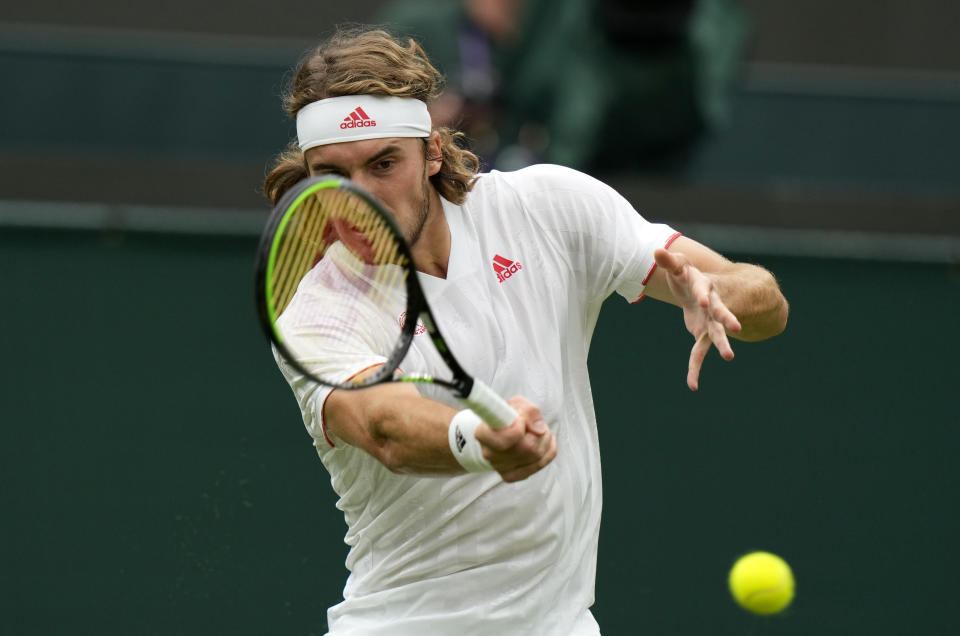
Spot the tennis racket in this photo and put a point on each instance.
(333, 272)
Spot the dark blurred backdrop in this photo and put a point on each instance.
(156, 476)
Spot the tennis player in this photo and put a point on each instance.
(500, 536)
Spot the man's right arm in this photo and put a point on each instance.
(407, 432)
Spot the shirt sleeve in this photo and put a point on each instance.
(333, 337)
(610, 244)
(312, 396)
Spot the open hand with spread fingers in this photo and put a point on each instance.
(706, 316)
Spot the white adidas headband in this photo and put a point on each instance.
(354, 117)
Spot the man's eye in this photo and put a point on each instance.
(385, 164)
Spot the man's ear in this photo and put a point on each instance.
(434, 154)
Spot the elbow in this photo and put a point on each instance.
(382, 422)
(391, 455)
(780, 309)
(782, 315)
(769, 321)
(769, 325)
(388, 447)
(777, 316)
(384, 448)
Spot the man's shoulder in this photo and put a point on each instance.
(538, 171)
(538, 178)
(544, 194)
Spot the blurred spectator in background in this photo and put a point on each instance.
(598, 85)
(471, 42)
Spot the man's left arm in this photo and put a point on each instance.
(719, 298)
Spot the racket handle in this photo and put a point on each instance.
(491, 408)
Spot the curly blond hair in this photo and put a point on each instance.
(358, 61)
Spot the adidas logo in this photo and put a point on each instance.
(357, 119)
(505, 268)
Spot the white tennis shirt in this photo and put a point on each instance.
(533, 255)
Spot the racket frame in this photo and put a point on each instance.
(462, 384)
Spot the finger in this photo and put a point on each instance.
(538, 427)
(697, 354)
(670, 261)
(531, 447)
(519, 473)
(502, 439)
(525, 452)
(720, 340)
(520, 403)
(721, 313)
(528, 413)
(702, 288)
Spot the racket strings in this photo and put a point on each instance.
(301, 245)
(383, 268)
(372, 266)
(394, 272)
(337, 281)
(289, 253)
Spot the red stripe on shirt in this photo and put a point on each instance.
(653, 267)
(323, 426)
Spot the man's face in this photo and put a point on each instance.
(394, 170)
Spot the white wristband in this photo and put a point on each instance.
(464, 445)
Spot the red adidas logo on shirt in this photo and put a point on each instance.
(504, 268)
(357, 119)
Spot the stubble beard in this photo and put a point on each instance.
(413, 235)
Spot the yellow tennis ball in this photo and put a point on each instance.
(762, 583)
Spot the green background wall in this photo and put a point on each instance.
(157, 479)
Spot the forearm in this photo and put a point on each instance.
(406, 432)
(754, 297)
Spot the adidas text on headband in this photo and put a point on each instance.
(355, 117)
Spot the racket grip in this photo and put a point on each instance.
(491, 408)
